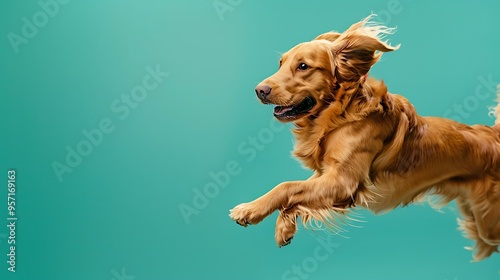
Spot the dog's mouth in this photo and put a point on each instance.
(293, 112)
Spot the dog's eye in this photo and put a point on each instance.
(303, 66)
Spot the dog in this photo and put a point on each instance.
(368, 147)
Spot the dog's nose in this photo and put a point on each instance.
(263, 91)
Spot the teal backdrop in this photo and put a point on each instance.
(133, 128)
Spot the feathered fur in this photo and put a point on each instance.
(370, 148)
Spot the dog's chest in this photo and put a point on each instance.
(310, 151)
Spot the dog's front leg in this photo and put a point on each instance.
(255, 211)
(322, 190)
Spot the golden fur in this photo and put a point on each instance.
(369, 147)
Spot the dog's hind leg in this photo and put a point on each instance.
(469, 227)
(481, 214)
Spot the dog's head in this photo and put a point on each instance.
(311, 73)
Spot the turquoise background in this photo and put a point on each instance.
(116, 215)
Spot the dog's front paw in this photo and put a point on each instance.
(286, 227)
(247, 214)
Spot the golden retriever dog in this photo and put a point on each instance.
(369, 148)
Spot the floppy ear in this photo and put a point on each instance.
(358, 48)
(329, 36)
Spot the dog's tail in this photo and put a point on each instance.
(496, 111)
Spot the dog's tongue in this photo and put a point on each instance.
(280, 110)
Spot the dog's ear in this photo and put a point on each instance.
(358, 48)
(329, 36)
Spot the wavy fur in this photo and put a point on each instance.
(369, 148)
